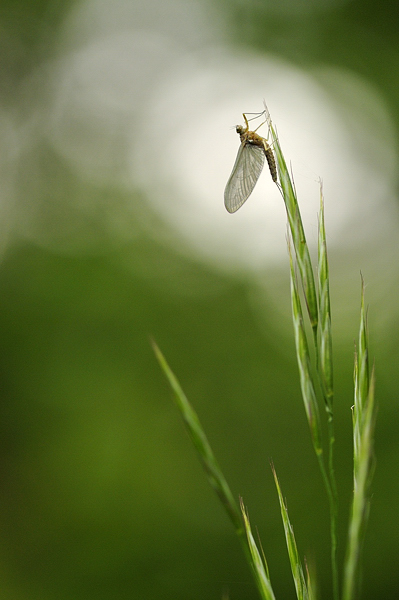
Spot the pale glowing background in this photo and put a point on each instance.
(145, 98)
(147, 103)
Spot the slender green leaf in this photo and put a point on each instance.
(258, 561)
(303, 358)
(325, 362)
(200, 441)
(297, 232)
(325, 366)
(364, 414)
(311, 582)
(296, 566)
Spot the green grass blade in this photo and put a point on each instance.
(297, 231)
(325, 366)
(363, 379)
(325, 346)
(259, 564)
(204, 450)
(364, 414)
(303, 358)
(319, 312)
(296, 566)
(311, 582)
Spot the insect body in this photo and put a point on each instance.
(248, 167)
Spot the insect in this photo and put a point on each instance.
(248, 166)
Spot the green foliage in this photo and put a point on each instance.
(320, 321)
(364, 414)
(315, 393)
(258, 560)
(201, 444)
(295, 561)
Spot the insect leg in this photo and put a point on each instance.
(246, 121)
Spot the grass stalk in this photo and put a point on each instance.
(205, 453)
(304, 362)
(325, 370)
(259, 564)
(301, 584)
(319, 314)
(318, 309)
(297, 231)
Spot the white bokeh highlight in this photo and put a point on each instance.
(146, 100)
(149, 103)
(194, 155)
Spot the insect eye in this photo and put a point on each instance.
(239, 129)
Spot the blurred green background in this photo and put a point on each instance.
(102, 495)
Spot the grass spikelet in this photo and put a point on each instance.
(325, 369)
(311, 581)
(296, 566)
(364, 414)
(363, 417)
(325, 345)
(303, 358)
(259, 564)
(296, 228)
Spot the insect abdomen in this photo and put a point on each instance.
(271, 162)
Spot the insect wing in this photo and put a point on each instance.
(246, 171)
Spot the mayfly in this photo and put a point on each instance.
(248, 167)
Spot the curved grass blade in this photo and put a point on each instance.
(296, 228)
(303, 358)
(200, 441)
(325, 350)
(296, 566)
(325, 369)
(364, 415)
(259, 564)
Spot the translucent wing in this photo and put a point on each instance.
(247, 168)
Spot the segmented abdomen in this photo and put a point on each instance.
(271, 162)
